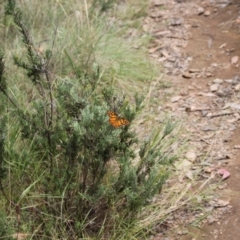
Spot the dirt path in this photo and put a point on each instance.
(198, 43)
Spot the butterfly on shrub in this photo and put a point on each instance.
(115, 120)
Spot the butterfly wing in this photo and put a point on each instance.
(112, 118)
(122, 122)
(115, 120)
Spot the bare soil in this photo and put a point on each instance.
(198, 45)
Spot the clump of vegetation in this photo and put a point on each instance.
(72, 174)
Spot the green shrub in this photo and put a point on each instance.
(72, 173)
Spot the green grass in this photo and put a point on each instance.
(69, 28)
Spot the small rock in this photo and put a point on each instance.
(156, 14)
(195, 25)
(214, 87)
(175, 99)
(184, 92)
(176, 21)
(230, 50)
(221, 203)
(207, 13)
(234, 59)
(158, 2)
(228, 80)
(204, 113)
(207, 169)
(214, 64)
(208, 128)
(221, 187)
(221, 93)
(194, 70)
(218, 80)
(187, 75)
(237, 87)
(223, 45)
(209, 74)
(191, 156)
(224, 3)
(200, 10)
(182, 232)
(236, 80)
(211, 220)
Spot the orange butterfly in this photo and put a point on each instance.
(115, 120)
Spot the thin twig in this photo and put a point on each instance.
(221, 114)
